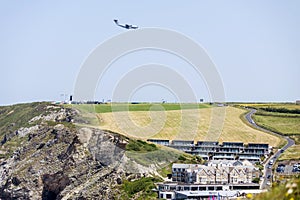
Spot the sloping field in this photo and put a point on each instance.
(284, 124)
(289, 106)
(292, 153)
(189, 124)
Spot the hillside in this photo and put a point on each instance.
(45, 156)
(282, 118)
(168, 124)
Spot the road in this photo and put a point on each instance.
(268, 168)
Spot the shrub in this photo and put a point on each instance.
(145, 184)
(140, 146)
(182, 158)
(255, 180)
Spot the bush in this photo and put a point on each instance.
(145, 184)
(255, 180)
(140, 146)
(182, 158)
(288, 191)
(281, 110)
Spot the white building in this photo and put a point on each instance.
(215, 172)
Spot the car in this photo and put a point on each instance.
(296, 165)
(280, 170)
(268, 183)
(296, 169)
(269, 176)
(281, 150)
(269, 166)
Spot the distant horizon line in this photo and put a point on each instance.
(154, 102)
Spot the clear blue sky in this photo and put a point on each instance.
(254, 44)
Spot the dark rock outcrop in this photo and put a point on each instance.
(53, 184)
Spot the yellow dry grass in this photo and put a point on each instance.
(194, 124)
(292, 153)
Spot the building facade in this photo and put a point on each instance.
(173, 190)
(219, 179)
(213, 150)
(215, 172)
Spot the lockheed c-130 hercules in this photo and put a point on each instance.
(127, 26)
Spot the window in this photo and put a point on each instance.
(169, 196)
(194, 188)
(211, 188)
(219, 188)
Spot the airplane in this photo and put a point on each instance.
(127, 26)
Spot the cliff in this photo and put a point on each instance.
(43, 155)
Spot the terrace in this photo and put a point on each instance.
(233, 144)
(160, 142)
(183, 143)
(227, 150)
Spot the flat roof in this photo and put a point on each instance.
(205, 185)
(219, 156)
(208, 193)
(180, 165)
(184, 141)
(157, 140)
(249, 157)
(258, 144)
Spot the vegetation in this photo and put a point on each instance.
(255, 180)
(151, 155)
(280, 118)
(183, 158)
(285, 124)
(292, 153)
(193, 124)
(287, 191)
(119, 107)
(15, 116)
(259, 165)
(290, 106)
(143, 185)
(281, 110)
(283, 119)
(296, 138)
(159, 158)
(140, 146)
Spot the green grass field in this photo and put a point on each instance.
(288, 190)
(283, 119)
(290, 106)
(284, 124)
(171, 122)
(119, 107)
(278, 117)
(292, 153)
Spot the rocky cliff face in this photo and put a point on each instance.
(50, 158)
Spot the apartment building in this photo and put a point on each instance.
(213, 150)
(215, 172)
